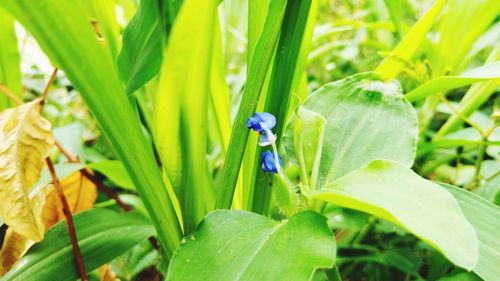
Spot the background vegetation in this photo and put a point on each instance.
(145, 104)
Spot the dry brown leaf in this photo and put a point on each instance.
(13, 248)
(80, 193)
(25, 141)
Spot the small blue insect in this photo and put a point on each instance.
(269, 162)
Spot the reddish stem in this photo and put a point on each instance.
(69, 220)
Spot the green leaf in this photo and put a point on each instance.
(104, 11)
(257, 72)
(445, 83)
(485, 218)
(308, 136)
(366, 119)
(238, 245)
(461, 25)
(141, 56)
(181, 125)
(10, 62)
(473, 99)
(65, 34)
(395, 9)
(286, 71)
(404, 51)
(115, 171)
(393, 192)
(102, 235)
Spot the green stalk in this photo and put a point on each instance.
(280, 90)
(255, 81)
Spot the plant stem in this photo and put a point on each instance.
(92, 178)
(8, 92)
(479, 161)
(47, 87)
(69, 220)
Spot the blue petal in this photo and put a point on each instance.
(268, 162)
(260, 122)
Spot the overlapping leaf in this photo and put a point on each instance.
(80, 193)
(365, 119)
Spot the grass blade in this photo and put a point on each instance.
(181, 125)
(278, 98)
(66, 36)
(404, 51)
(256, 76)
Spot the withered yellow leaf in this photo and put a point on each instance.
(106, 274)
(80, 193)
(25, 141)
(13, 248)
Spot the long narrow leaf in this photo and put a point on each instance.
(445, 83)
(255, 81)
(182, 106)
(405, 50)
(10, 63)
(67, 37)
(280, 89)
(102, 236)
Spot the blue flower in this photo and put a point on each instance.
(260, 122)
(269, 163)
(267, 138)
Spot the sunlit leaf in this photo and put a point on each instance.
(25, 141)
(366, 119)
(393, 192)
(10, 63)
(181, 108)
(485, 218)
(65, 34)
(446, 83)
(404, 51)
(141, 56)
(236, 245)
(115, 172)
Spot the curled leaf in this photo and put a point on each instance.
(80, 192)
(25, 141)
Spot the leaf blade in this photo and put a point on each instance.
(393, 192)
(246, 246)
(102, 235)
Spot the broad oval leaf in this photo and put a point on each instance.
(391, 191)
(366, 119)
(238, 245)
(102, 236)
(25, 141)
(485, 218)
